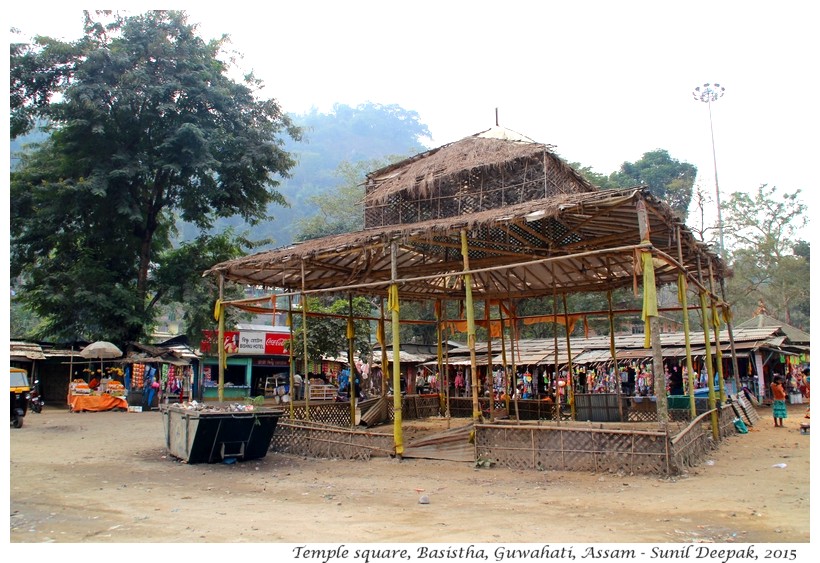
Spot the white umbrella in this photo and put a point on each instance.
(101, 349)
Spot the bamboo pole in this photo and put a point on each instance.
(290, 360)
(505, 377)
(710, 372)
(570, 375)
(683, 299)
(393, 302)
(730, 330)
(468, 288)
(555, 345)
(439, 366)
(446, 367)
(613, 352)
(384, 347)
(716, 327)
(351, 346)
(220, 388)
(513, 338)
(489, 375)
(304, 304)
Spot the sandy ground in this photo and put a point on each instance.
(107, 478)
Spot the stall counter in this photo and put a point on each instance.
(96, 403)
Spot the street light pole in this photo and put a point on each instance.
(709, 93)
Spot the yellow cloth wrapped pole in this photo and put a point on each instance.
(650, 296)
(718, 353)
(219, 313)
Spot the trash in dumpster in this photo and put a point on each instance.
(218, 432)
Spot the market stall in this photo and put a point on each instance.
(102, 391)
(110, 395)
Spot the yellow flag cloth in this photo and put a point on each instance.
(715, 317)
(650, 294)
(681, 288)
(217, 309)
(380, 332)
(726, 313)
(393, 298)
(351, 331)
(289, 320)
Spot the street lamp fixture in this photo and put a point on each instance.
(707, 94)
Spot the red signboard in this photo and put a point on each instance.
(249, 343)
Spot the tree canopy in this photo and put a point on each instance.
(146, 127)
(667, 178)
(770, 257)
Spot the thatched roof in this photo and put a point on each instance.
(567, 243)
(495, 148)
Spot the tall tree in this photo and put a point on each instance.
(769, 259)
(667, 178)
(146, 127)
(327, 335)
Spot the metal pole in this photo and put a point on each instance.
(709, 93)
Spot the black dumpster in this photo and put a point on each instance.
(218, 433)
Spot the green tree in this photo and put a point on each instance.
(327, 335)
(179, 280)
(668, 179)
(146, 127)
(769, 261)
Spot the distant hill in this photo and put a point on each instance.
(345, 134)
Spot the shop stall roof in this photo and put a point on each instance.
(26, 351)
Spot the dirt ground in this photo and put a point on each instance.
(107, 478)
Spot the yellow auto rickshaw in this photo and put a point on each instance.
(20, 390)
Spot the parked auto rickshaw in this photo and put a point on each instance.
(19, 396)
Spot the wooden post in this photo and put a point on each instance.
(650, 311)
(468, 288)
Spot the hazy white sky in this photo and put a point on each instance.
(603, 81)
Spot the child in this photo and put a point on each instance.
(778, 401)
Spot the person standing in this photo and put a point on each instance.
(298, 387)
(420, 383)
(778, 401)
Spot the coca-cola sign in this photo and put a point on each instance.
(276, 343)
(248, 343)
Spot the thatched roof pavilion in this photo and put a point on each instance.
(495, 217)
(534, 226)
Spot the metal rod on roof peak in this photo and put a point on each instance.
(496, 117)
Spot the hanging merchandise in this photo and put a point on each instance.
(138, 376)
